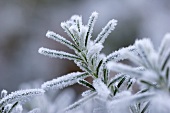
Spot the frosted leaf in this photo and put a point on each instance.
(3, 93)
(101, 88)
(86, 93)
(134, 58)
(95, 49)
(106, 31)
(126, 100)
(90, 25)
(80, 102)
(78, 20)
(83, 34)
(57, 54)
(150, 76)
(83, 67)
(65, 26)
(60, 39)
(74, 30)
(120, 54)
(115, 78)
(164, 44)
(118, 67)
(36, 110)
(64, 81)
(145, 48)
(86, 84)
(164, 61)
(20, 96)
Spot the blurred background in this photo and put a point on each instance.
(24, 23)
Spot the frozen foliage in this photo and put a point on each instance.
(155, 73)
(11, 102)
(54, 101)
(64, 81)
(109, 91)
(106, 93)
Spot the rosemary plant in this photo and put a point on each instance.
(110, 94)
(106, 89)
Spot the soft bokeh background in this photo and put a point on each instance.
(24, 23)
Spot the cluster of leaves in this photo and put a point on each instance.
(112, 94)
(151, 75)
(12, 103)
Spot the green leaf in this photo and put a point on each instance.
(115, 79)
(86, 84)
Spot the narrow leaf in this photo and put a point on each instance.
(57, 54)
(164, 44)
(64, 81)
(165, 60)
(120, 54)
(61, 39)
(106, 31)
(90, 25)
(86, 93)
(19, 96)
(86, 84)
(115, 79)
(118, 67)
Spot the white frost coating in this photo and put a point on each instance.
(80, 102)
(64, 81)
(20, 96)
(121, 54)
(66, 26)
(3, 93)
(101, 88)
(95, 49)
(75, 18)
(164, 44)
(106, 31)
(83, 34)
(150, 76)
(126, 100)
(57, 54)
(145, 48)
(118, 67)
(58, 38)
(91, 22)
(86, 93)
